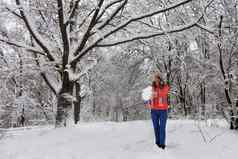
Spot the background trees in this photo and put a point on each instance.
(73, 47)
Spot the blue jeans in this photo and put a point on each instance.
(159, 119)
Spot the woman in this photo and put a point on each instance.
(159, 110)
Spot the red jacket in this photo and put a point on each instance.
(160, 98)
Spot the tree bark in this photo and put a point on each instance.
(64, 114)
(77, 103)
(203, 99)
(228, 98)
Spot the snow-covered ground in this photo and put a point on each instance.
(130, 140)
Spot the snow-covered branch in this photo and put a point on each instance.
(23, 46)
(123, 25)
(73, 10)
(107, 7)
(85, 19)
(63, 31)
(146, 36)
(113, 14)
(209, 30)
(13, 12)
(83, 22)
(37, 37)
(87, 32)
(76, 76)
(133, 19)
(52, 84)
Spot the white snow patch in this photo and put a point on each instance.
(108, 140)
(147, 93)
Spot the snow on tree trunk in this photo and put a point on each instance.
(65, 114)
(68, 107)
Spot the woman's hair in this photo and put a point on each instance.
(161, 83)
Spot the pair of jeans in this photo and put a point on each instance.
(159, 120)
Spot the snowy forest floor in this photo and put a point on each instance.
(186, 139)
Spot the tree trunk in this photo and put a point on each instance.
(125, 114)
(68, 107)
(64, 116)
(184, 101)
(77, 103)
(234, 116)
(203, 99)
(225, 77)
(236, 120)
(182, 98)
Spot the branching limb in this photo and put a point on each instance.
(123, 25)
(37, 37)
(13, 12)
(63, 31)
(147, 36)
(28, 48)
(83, 21)
(107, 7)
(114, 13)
(73, 11)
(91, 24)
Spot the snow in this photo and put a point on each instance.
(7, 1)
(76, 76)
(186, 139)
(193, 45)
(147, 93)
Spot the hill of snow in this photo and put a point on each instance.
(128, 140)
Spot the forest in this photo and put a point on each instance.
(63, 62)
(118, 79)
